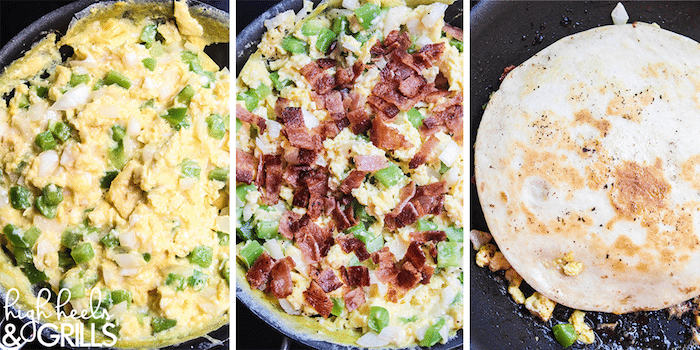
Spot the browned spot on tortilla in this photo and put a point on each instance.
(639, 191)
(553, 168)
(504, 197)
(642, 267)
(630, 106)
(597, 175)
(690, 171)
(625, 245)
(584, 117)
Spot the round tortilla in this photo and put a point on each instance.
(587, 166)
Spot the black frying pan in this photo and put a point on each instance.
(258, 327)
(504, 33)
(23, 23)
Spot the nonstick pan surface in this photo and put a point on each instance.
(504, 33)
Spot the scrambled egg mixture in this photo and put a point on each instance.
(277, 168)
(115, 161)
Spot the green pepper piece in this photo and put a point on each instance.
(156, 50)
(31, 235)
(361, 213)
(389, 176)
(176, 281)
(77, 79)
(457, 44)
(449, 254)
(82, 253)
(185, 95)
(266, 229)
(198, 280)
(20, 197)
(219, 174)
(250, 252)
(118, 132)
(60, 130)
(405, 320)
(114, 77)
(372, 242)
(121, 295)
(455, 234)
(443, 168)
(250, 98)
(98, 317)
(44, 208)
(324, 40)
(42, 91)
(33, 274)
(366, 14)
(23, 101)
(149, 63)
(71, 238)
(73, 284)
(242, 191)
(201, 255)
(294, 45)
(245, 230)
(415, 117)
(225, 271)
(223, 237)
(53, 195)
(116, 155)
(162, 324)
(176, 117)
(190, 168)
(215, 126)
(148, 35)
(263, 91)
(106, 181)
(432, 334)
(278, 84)
(378, 318)
(565, 334)
(14, 235)
(425, 225)
(65, 261)
(146, 257)
(45, 141)
(110, 240)
(23, 256)
(311, 27)
(338, 306)
(340, 25)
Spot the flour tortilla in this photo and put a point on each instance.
(591, 149)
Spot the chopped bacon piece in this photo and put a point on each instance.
(245, 167)
(412, 86)
(245, 116)
(281, 283)
(354, 299)
(428, 236)
(317, 185)
(348, 244)
(269, 178)
(297, 132)
(318, 300)
(291, 175)
(387, 270)
(441, 82)
(285, 226)
(386, 137)
(344, 219)
(369, 163)
(357, 276)
(334, 102)
(427, 273)
(326, 63)
(280, 105)
(387, 109)
(329, 205)
(429, 199)
(407, 216)
(397, 41)
(424, 152)
(415, 255)
(259, 274)
(352, 181)
(321, 82)
(313, 241)
(328, 281)
(454, 32)
(431, 52)
(506, 71)
(408, 277)
(360, 121)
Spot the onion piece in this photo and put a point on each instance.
(88, 62)
(274, 248)
(133, 128)
(223, 223)
(72, 99)
(288, 307)
(391, 334)
(310, 120)
(119, 309)
(436, 13)
(127, 238)
(371, 340)
(450, 153)
(274, 128)
(48, 162)
(132, 260)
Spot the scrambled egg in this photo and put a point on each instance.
(115, 173)
(427, 313)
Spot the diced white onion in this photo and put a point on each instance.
(127, 239)
(299, 263)
(381, 62)
(119, 309)
(67, 157)
(308, 6)
(450, 153)
(36, 111)
(394, 19)
(443, 332)
(391, 334)
(131, 260)
(48, 225)
(88, 62)
(448, 296)
(479, 238)
(274, 128)
(398, 247)
(274, 248)
(451, 177)
(351, 44)
(134, 219)
(187, 183)
(279, 19)
(48, 162)
(371, 340)
(420, 332)
(133, 128)
(4, 198)
(148, 83)
(423, 40)
(310, 120)
(111, 277)
(436, 12)
(73, 98)
(223, 223)
(129, 272)
(288, 307)
(619, 14)
(351, 4)
(412, 26)
(130, 59)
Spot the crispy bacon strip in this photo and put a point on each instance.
(356, 276)
(344, 219)
(407, 216)
(505, 72)
(285, 226)
(412, 86)
(313, 241)
(259, 274)
(369, 163)
(455, 32)
(429, 199)
(269, 178)
(424, 152)
(360, 121)
(328, 281)
(348, 244)
(245, 116)
(352, 181)
(423, 237)
(245, 167)
(386, 137)
(387, 270)
(317, 185)
(281, 284)
(317, 298)
(408, 277)
(280, 105)
(321, 82)
(354, 299)
(297, 132)
(415, 255)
